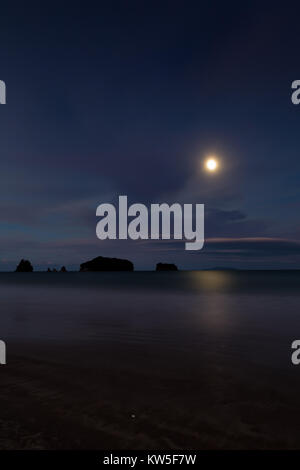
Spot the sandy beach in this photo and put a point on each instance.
(146, 403)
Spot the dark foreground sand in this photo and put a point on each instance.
(76, 397)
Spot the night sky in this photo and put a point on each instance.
(112, 98)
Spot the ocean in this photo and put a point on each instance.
(197, 359)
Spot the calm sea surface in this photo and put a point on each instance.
(182, 360)
(252, 315)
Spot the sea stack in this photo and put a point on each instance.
(24, 266)
(107, 264)
(166, 267)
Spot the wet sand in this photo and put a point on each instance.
(135, 399)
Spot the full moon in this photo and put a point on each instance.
(211, 164)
